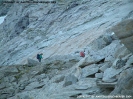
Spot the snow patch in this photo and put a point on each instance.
(2, 19)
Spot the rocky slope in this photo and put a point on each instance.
(52, 27)
(102, 28)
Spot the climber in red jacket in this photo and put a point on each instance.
(82, 54)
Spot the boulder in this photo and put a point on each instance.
(10, 71)
(85, 83)
(2, 85)
(77, 72)
(32, 62)
(122, 52)
(99, 75)
(106, 84)
(124, 31)
(69, 80)
(119, 63)
(125, 84)
(100, 42)
(88, 60)
(110, 74)
(130, 61)
(89, 70)
(34, 85)
(105, 66)
(58, 78)
(7, 92)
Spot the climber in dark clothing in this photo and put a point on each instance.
(39, 57)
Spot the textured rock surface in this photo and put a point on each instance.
(57, 29)
(125, 84)
(124, 31)
(89, 70)
(110, 74)
(60, 31)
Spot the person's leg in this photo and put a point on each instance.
(39, 60)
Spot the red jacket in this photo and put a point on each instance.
(82, 54)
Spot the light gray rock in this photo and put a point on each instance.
(10, 71)
(64, 24)
(85, 87)
(89, 70)
(1, 75)
(110, 74)
(58, 78)
(34, 85)
(99, 75)
(122, 52)
(58, 30)
(32, 62)
(56, 62)
(124, 32)
(10, 79)
(77, 72)
(87, 83)
(124, 85)
(130, 61)
(69, 80)
(101, 42)
(88, 60)
(105, 66)
(108, 52)
(119, 63)
(7, 92)
(106, 84)
(2, 85)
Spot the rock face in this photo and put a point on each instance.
(4, 8)
(125, 85)
(60, 28)
(62, 77)
(124, 31)
(60, 31)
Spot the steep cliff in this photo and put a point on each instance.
(60, 30)
(56, 28)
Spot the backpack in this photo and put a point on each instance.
(82, 54)
(38, 56)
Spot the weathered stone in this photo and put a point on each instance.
(2, 85)
(34, 85)
(57, 31)
(10, 71)
(77, 72)
(99, 75)
(130, 61)
(105, 66)
(69, 80)
(7, 92)
(110, 74)
(32, 62)
(125, 84)
(82, 87)
(89, 70)
(119, 63)
(86, 82)
(122, 52)
(58, 79)
(1, 75)
(124, 32)
(101, 42)
(108, 52)
(88, 60)
(106, 84)
(11, 79)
